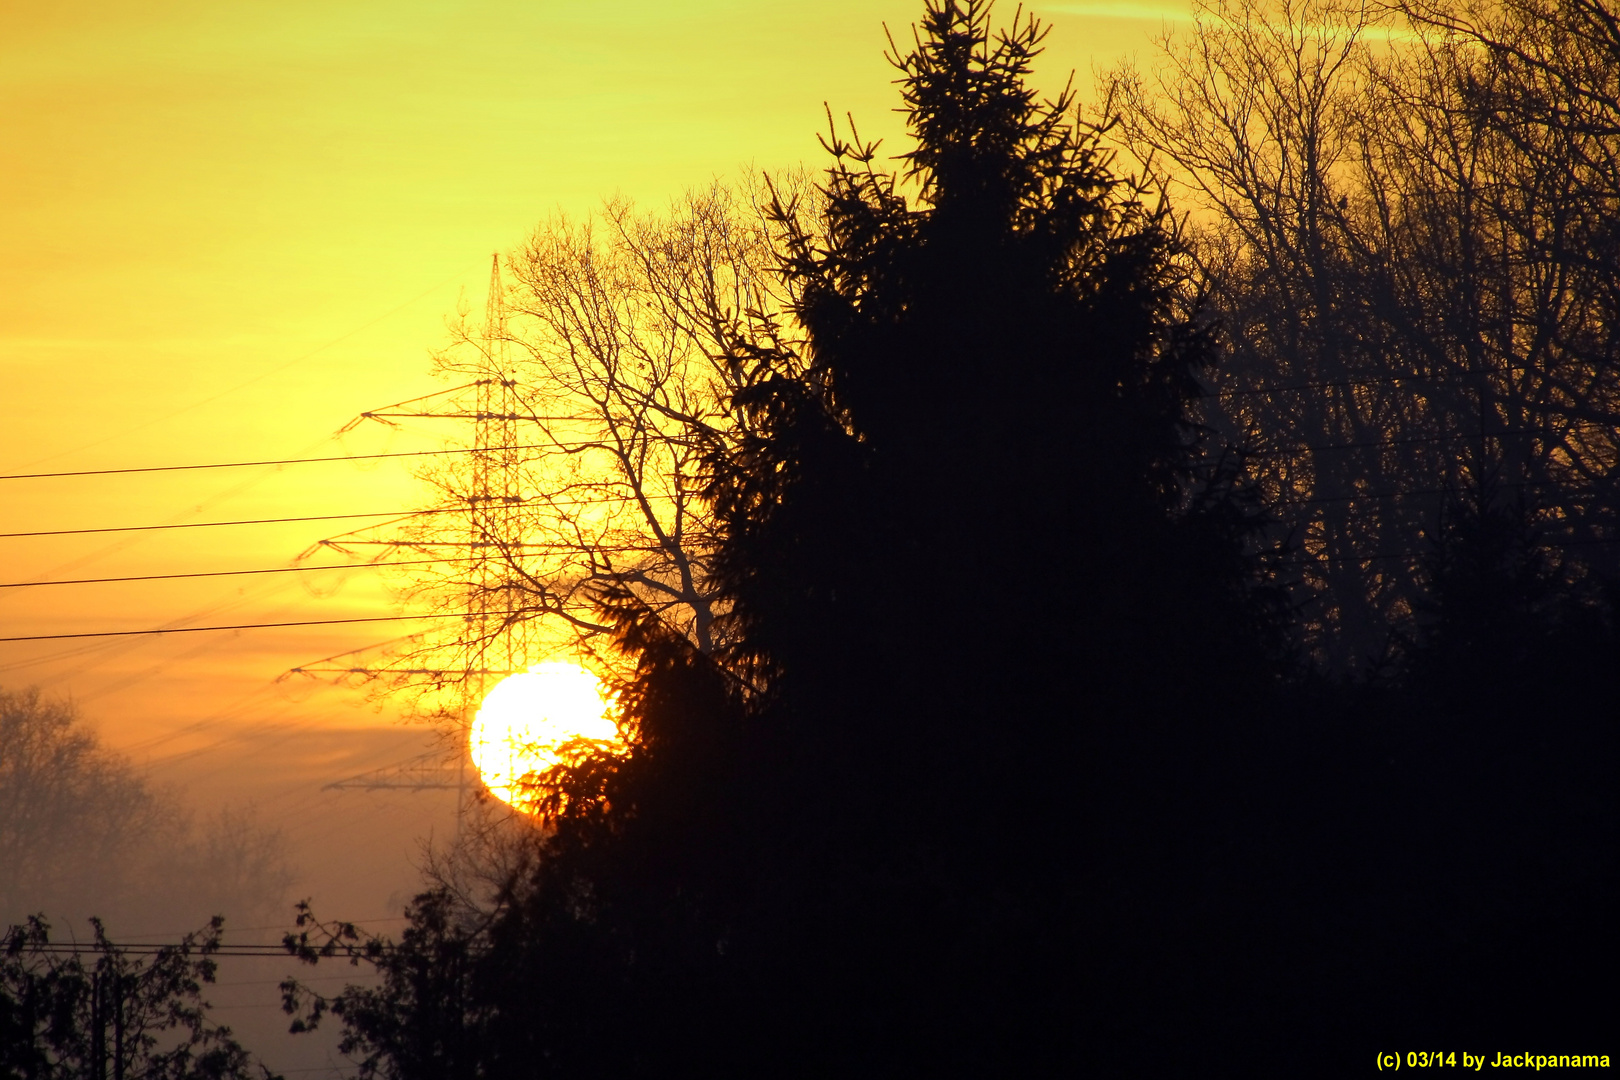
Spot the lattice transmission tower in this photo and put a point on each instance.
(494, 640)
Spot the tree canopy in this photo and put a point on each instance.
(97, 1010)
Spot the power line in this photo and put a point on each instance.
(476, 416)
(64, 948)
(396, 514)
(577, 419)
(285, 926)
(67, 948)
(352, 424)
(553, 444)
(226, 573)
(251, 464)
(262, 375)
(249, 626)
(248, 521)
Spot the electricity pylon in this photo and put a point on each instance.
(493, 641)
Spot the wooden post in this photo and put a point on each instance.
(98, 1030)
(118, 1026)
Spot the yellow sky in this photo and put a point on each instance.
(229, 226)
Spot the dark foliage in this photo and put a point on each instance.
(1441, 842)
(98, 1012)
(423, 1020)
(992, 635)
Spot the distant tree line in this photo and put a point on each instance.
(84, 836)
(83, 833)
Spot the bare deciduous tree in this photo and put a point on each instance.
(1407, 228)
(590, 394)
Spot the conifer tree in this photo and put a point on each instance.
(985, 583)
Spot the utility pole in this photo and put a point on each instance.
(98, 1030)
(118, 1025)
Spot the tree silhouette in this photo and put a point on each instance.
(1003, 353)
(1407, 226)
(1450, 852)
(64, 1016)
(991, 762)
(422, 1020)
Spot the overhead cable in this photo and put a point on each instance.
(64, 948)
(253, 626)
(275, 461)
(228, 573)
(250, 521)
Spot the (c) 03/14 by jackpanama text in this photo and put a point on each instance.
(1439, 1059)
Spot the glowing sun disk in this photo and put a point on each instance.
(524, 722)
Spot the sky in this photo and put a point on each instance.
(229, 227)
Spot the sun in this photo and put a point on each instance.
(525, 721)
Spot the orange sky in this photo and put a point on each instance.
(228, 227)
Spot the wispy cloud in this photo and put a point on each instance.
(1119, 9)
(1161, 13)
